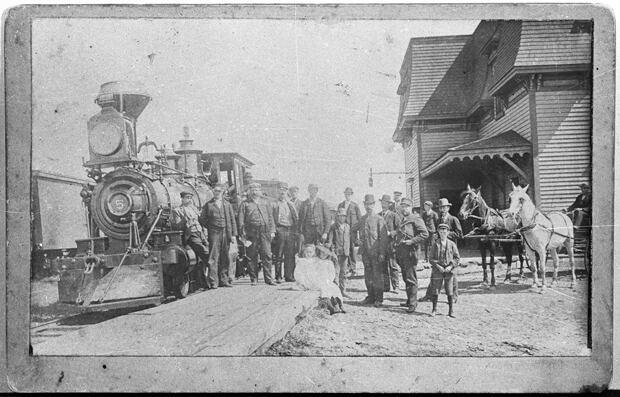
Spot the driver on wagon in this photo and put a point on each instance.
(582, 205)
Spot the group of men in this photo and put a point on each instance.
(273, 232)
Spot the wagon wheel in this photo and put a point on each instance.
(181, 283)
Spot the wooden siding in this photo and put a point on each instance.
(431, 59)
(546, 43)
(435, 144)
(507, 49)
(411, 167)
(564, 144)
(516, 117)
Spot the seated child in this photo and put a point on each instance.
(313, 273)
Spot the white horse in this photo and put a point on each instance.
(542, 233)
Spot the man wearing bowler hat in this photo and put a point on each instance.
(455, 232)
(314, 217)
(410, 234)
(392, 221)
(353, 216)
(257, 227)
(283, 247)
(373, 250)
(187, 218)
(219, 219)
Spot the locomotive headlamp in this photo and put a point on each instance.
(105, 138)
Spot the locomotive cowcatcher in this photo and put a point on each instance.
(132, 256)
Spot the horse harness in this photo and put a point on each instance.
(534, 224)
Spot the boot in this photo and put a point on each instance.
(339, 302)
(450, 305)
(434, 300)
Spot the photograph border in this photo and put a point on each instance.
(318, 374)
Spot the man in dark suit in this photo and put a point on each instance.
(186, 218)
(373, 249)
(283, 246)
(219, 219)
(257, 227)
(353, 216)
(314, 217)
(392, 221)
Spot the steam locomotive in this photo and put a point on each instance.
(132, 255)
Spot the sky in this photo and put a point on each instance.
(307, 101)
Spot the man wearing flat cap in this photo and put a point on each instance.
(314, 217)
(186, 217)
(219, 219)
(373, 250)
(455, 232)
(410, 235)
(353, 216)
(392, 221)
(283, 246)
(395, 205)
(582, 205)
(256, 225)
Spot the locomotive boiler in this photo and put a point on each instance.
(132, 255)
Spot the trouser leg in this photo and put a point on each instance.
(378, 270)
(455, 285)
(202, 253)
(252, 253)
(289, 257)
(224, 265)
(352, 259)
(341, 271)
(394, 276)
(265, 256)
(408, 264)
(215, 243)
(368, 279)
(278, 253)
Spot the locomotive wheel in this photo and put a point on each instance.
(181, 286)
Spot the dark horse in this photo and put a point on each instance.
(490, 222)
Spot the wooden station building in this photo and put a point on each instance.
(510, 102)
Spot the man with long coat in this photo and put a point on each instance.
(392, 221)
(373, 250)
(257, 227)
(411, 233)
(218, 217)
(283, 246)
(352, 218)
(314, 217)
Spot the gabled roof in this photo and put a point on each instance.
(507, 143)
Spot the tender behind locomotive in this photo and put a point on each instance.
(132, 255)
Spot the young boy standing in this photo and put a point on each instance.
(444, 259)
(338, 240)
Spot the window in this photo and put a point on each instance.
(500, 106)
(581, 27)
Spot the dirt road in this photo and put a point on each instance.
(511, 320)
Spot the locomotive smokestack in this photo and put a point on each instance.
(190, 157)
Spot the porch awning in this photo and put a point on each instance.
(507, 143)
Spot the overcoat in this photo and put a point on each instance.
(210, 210)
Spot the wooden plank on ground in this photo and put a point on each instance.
(228, 321)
